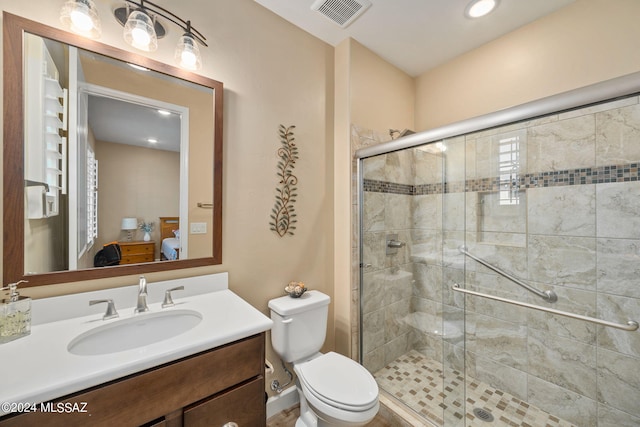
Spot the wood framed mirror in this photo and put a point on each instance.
(198, 216)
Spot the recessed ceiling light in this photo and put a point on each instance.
(478, 8)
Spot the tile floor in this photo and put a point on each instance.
(287, 418)
(438, 394)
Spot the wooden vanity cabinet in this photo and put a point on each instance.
(222, 385)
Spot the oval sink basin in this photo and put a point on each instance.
(134, 332)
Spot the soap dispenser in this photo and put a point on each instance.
(15, 314)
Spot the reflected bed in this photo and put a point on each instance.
(169, 238)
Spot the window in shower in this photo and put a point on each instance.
(501, 196)
(509, 170)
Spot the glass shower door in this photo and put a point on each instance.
(411, 324)
(508, 213)
(551, 205)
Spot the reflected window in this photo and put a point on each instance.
(92, 197)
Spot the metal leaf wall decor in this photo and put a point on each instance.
(283, 216)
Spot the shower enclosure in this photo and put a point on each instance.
(461, 226)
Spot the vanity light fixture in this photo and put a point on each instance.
(81, 17)
(139, 31)
(479, 8)
(187, 52)
(142, 31)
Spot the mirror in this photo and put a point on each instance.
(55, 222)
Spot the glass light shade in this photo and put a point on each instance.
(478, 8)
(139, 32)
(81, 17)
(188, 53)
(129, 224)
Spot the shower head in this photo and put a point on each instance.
(402, 133)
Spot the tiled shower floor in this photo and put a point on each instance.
(419, 383)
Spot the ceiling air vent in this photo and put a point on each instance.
(341, 12)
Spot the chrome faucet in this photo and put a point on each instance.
(142, 296)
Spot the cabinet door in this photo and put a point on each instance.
(243, 405)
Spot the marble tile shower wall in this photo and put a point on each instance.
(381, 308)
(360, 138)
(555, 201)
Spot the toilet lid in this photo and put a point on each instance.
(339, 381)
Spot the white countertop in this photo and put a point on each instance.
(39, 367)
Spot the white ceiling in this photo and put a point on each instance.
(126, 122)
(122, 122)
(417, 35)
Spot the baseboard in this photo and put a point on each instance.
(285, 400)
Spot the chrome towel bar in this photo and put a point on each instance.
(631, 325)
(548, 296)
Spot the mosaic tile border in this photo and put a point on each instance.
(389, 187)
(583, 176)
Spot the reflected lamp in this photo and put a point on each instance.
(128, 225)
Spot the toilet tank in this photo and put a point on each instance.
(299, 325)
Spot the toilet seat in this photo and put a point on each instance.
(339, 382)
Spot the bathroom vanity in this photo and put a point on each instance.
(209, 389)
(208, 375)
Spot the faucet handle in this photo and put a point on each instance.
(168, 301)
(111, 308)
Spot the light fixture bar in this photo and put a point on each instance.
(142, 29)
(169, 16)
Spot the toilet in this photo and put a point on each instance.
(333, 389)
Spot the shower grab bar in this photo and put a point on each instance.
(631, 325)
(548, 296)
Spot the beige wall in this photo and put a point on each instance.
(382, 96)
(584, 43)
(344, 319)
(274, 73)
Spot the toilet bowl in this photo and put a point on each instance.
(333, 389)
(339, 391)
